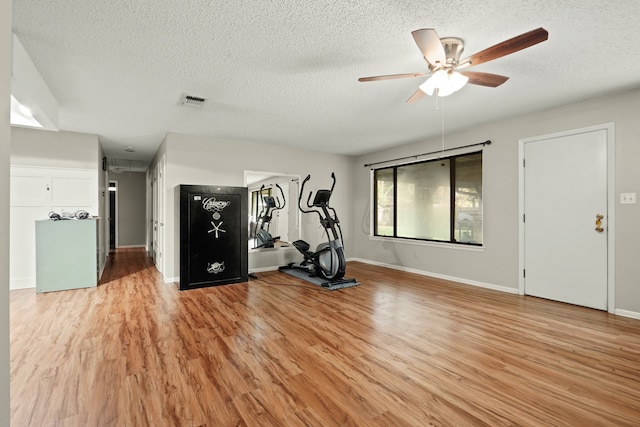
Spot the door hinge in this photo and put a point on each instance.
(524, 217)
(524, 273)
(524, 163)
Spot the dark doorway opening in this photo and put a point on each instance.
(113, 209)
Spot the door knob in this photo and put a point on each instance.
(599, 219)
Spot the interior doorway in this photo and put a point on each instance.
(113, 215)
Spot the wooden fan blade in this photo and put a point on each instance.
(430, 45)
(419, 94)
(390, 77)
(484, 79)
(507, 47)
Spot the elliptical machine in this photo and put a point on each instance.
(328, 261)
(264, 239)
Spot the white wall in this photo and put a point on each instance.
(198, 160)
(5, 138)
(497, 264)
(33, 147)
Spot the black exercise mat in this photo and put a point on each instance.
(329, 285)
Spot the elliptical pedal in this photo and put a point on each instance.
(303, 247)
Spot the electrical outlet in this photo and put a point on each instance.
(627, 198)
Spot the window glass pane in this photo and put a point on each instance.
(424, 200)
(384, 202)
(468, 197)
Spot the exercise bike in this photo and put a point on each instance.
(264, 239)
(328, 260)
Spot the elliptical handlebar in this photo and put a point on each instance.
(284, 199)
(308, 199)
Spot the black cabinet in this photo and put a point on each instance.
(213, 235)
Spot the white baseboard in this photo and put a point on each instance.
(23, 283)
(627, 313)
(101, 270)
(131, 246)
(440, 276)
(170, 279)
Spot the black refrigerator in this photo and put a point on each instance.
(214, 239)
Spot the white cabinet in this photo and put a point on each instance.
(36, 191)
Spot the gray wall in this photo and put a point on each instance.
(497, 263)
(131, 207)
(199, 160)
(5, 138)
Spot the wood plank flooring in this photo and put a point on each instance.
(399, 350)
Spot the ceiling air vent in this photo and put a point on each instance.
(193, 101)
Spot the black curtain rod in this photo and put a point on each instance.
(487, 142)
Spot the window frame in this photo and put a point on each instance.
(452, 203)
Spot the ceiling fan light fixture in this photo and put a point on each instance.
(446, 82)
(430, 84)
(457, 80)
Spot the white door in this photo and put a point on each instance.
(160, 211)
(154, 223)
(566, 218)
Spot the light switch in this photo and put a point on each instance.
(627, 198)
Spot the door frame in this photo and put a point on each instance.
(611, 204)
(160, 196)
(115, 216)
(154, 215)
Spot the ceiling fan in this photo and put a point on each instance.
(443, 57)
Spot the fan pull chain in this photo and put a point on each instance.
(442, 112)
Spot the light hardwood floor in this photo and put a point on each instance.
(399, 350)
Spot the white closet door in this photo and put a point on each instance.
(566, 219)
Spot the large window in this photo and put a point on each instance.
(438, 200)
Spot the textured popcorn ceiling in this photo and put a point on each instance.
(285, 71)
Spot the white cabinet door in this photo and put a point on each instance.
(72, 191)
(30, 190)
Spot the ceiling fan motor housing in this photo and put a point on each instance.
(453, 48)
